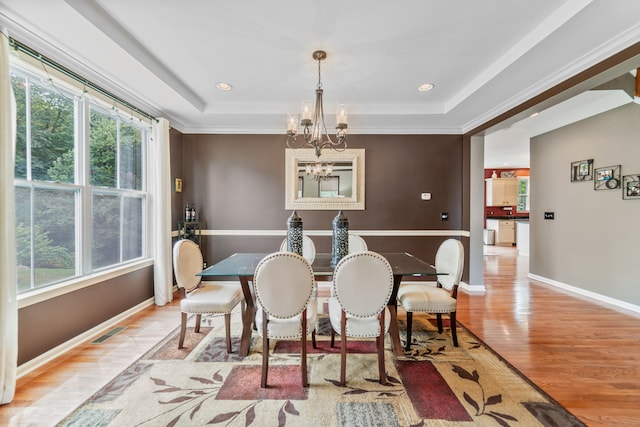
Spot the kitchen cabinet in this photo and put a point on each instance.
(505, 231)
(502, 191)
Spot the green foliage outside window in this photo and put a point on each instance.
(50, 125)
(130, 157)
(523, 194)
(103, 139)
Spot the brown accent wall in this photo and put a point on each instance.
(50, 323)
(177, 199)
(237, 183)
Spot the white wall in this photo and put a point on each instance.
(594, 241)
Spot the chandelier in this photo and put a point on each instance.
(319, 170)
(314, 129)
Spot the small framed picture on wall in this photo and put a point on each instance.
(631, 186)
(607, 178)
(582, 170)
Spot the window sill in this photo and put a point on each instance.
(49, 292)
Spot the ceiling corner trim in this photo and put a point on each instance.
(554, 21)
(99, 18)
(624, 40)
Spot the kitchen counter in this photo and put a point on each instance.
(515, 218)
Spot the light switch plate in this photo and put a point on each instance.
(425, 196)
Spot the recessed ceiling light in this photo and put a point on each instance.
(224, 86)
(425, 87)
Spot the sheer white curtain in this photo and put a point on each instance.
(8, 303)
(160, 193)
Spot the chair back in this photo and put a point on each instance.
(362, 283)
(187, 262)
(450, 260)
(284, 284)
(308, 248)
(356, 244)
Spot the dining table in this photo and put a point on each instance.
(243, 265)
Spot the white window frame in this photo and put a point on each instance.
(84, 276)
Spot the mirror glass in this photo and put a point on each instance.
(325, 180)
(333, 181)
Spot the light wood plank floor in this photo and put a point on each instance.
(583, 354)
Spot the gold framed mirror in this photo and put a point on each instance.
(332, 182)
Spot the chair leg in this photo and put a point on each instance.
(198, 319)
(227, 329)
(183, 330)
(454, 334)
(313, 339)
(303, 350)
(380, 340)
(333, 337)
(407, 346)
(343, 348)
(439, 322)
(265, 351)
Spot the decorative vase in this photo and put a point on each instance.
(340, 241)
(294, 233)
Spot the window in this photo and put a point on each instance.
(523, 194)
(79, 182)
(329, 186)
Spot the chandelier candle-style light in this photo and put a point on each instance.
(314, 128)
(319, 170)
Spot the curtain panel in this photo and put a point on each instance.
(8, 303)
(160, 192)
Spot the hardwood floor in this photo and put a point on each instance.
(583, 354)
(45, 397)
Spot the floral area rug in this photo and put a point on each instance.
(434, 384)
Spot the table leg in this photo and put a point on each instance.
(394, 332)
(247, 316)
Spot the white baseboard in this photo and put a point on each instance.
(48, 356)
(592, 295)
(473, 289)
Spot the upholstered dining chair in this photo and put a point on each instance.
(199, 297)
(287, 307)
(441, 298)
(356, 243)
(362, 286)
(308, 248)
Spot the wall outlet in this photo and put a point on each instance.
(425, 196)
